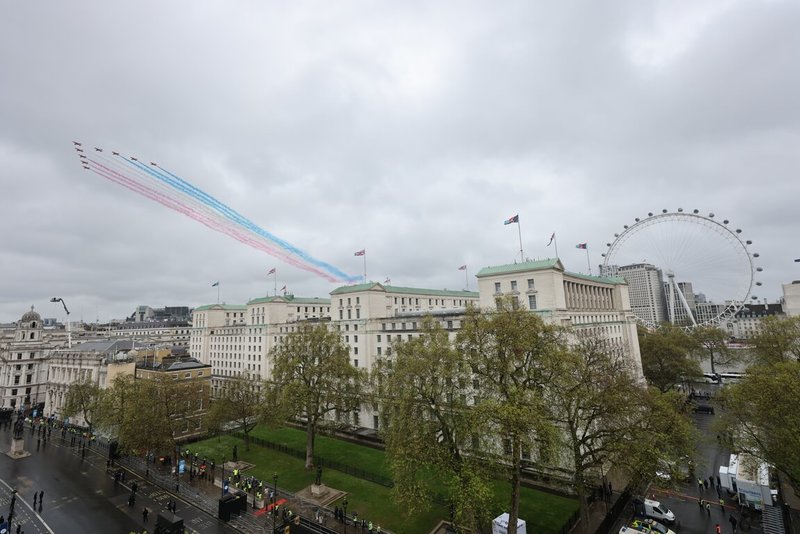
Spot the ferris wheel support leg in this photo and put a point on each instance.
(685, 304)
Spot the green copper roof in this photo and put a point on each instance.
(550, 263)
(374, 286)
(291, 299)
(601, 279)
(227, 307)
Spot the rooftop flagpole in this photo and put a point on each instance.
(585, 247)
(554, 241)
(274, 273)
(515, 219)
(363, 252)
(466, 276)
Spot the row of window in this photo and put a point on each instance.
(498, 288)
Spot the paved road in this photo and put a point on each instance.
(684, 499)
(80, 496)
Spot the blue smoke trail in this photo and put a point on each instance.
(190, 190)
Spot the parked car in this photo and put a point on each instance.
(653, 510)
(651, 526)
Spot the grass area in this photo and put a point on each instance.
(366, 458)
(543, 512)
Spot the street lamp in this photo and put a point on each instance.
(69, 330)
(223, 476)
(344, 507)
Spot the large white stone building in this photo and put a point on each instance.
(791, 298)
(23, 362)
(372, 316)
(645, 289)
(98, 362)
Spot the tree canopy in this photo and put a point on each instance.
(428, 426)
(666, 357)
(83, 398)
(761, 416)
(313, 376)
(511, 353)
(240, 400)
(778, 340)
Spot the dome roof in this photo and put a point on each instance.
(31, 316)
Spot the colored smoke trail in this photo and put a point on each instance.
(171, 191)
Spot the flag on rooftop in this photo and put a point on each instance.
(283, 288)
(361, 252)
(514, 219)
(582, 245)
(462, 268)
(387, 281)
(551, 239)
(215, 284)
(271, 271)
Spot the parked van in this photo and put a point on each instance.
(653, 510)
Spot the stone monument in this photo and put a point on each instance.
(318, 489)
(17, 449)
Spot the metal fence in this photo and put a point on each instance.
(321, 461)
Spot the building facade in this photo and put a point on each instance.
(645, 290)
(96, 362)
(371, 317)
(23, 363)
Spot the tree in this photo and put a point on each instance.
(149, 414)
(666, 359)
(83, 398)
(664, 436)
(710, 342)
(761, 416)
(428, 423)
(594, 398)
(511, 354)
(778, 340)
(312, 377)
(240, 399)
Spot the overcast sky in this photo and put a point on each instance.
(410, 129)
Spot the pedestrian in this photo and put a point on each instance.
(718, 482)
(19, 527)
(700, 484)
(722, 506)
(708, 508)
(700, 504)
(733, 523)
(711, 481)
(35, 497)
(718, 529)
(719, 492)
(145, 511)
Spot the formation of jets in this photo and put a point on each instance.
(79, 148)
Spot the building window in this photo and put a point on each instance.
(513, 285)
(497, 287)
(532, 302)
(355, 362)
(530, 283)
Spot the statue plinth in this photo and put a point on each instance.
(318, 490)
(17, 449)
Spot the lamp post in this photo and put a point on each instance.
(274, 494)
(223, 476)
(69, 329)
(344, 507)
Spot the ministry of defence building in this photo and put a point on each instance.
(239, 339)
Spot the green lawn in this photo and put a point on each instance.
(543, 512)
